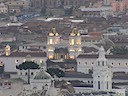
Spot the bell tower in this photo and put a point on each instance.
(102, 73)
(53, 40)
(7, 50)
(74, 43)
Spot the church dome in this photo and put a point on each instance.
(42, 75)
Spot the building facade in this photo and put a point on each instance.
(119, 5)
(102, 73)
(73, 46)
(3, 8)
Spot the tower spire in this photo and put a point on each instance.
(102, 73)
(101, 53)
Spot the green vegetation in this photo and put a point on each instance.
(43, 11)
(119, 50)
(69, 11)
(27, 66)
(55, 71)
(2, 15)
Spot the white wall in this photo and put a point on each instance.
(84, 64)
(11, 62)
(120, 92)
(83, 89)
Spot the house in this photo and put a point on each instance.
(3, 8)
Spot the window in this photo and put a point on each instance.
(79, 41)
(51, 42)
(72, 41)
(102, 63)
(98, 84)
(9, 83)
(61, 56)
(98, 63)
(92, 63)
(66, 3)
(5, 83)
(42, 87)
(126, 64)
(57, 41)
(34, 87)
(107, 84)
(20, 73)
(31, 73)
(85, 62)
(44, 47)
(26, 73)
(0, 84)
(119, 64)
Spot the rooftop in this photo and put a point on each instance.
(24, 54)
(107, 56)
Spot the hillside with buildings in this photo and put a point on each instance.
(63, 48)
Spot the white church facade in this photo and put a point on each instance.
(85, 62)
(102, 81)
(102, 78)
(73, 45)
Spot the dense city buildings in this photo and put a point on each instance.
(66, 6)
(63, 48)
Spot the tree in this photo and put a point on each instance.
(43, 11)
(55, 71)
(28, 65)
(119, 50)
(69, 11)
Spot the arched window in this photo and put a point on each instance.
(98, 84)
(31, 73)
(107, 84)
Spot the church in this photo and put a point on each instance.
(43, 84)
(71, 49)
